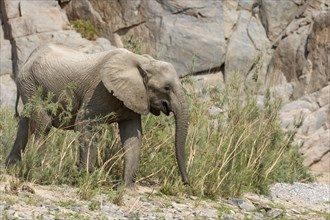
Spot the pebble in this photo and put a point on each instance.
(242, 204)
(275, 213)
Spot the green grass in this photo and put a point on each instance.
(241, 149)
(85, 28)
(134, 44)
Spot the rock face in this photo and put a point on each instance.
(33, 23)
(189, 34)
(284, 44)
(301, 57)
(29, 24)
(313, 134)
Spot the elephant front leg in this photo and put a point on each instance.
(87, 146)
(87, 151)
(131, 136)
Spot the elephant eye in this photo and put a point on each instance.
(167, 88)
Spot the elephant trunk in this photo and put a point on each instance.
(180, 111)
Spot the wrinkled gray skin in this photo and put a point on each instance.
(119, 82)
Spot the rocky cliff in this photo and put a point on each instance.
(286, 42)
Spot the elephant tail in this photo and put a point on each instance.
(16, 104)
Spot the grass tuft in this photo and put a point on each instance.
(85, 28)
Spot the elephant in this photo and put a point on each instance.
(111, 86)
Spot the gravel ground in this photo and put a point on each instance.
(286, 201)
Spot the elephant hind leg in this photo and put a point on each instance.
(39, 125)
(20, 142)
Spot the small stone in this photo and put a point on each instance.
(242, 204)
(258, 216)
(48, 217)
(21, 203)
(275, 213)
(52, 207)
(193, 197)
(228, 217)
(24, 216)
(214, 111)
(235, 201)
(247, 206)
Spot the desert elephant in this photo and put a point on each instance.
(112, 86)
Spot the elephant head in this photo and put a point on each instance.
(146, 85)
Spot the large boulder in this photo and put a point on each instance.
(7, 91)
(246, 44)
(276, 15)
(6, 65)
(34, 23)
(28, 25)
(189, 34)
(301, 57)
(313, 134)
(7, 84)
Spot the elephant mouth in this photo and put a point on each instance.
(165, 107)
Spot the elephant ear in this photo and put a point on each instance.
(121, 74)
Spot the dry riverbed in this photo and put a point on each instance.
(286, 201)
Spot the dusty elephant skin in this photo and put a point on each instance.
(112, 86)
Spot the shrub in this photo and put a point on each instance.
(134, 44)
(85, 28)
(241, 149)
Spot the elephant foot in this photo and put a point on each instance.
(12, 160)
(137, 189)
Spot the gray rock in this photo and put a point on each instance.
(257, 34)
(35, 7)
(242, 204)
(275, 213)
(241, 53)
(258, 216)
(305, 57)
(7, 91)
(193, 36)
(276, 15)
(230, 17)
(24, 216)
(48, 217)
(247, 206)
(6, 66)
(313, 134)
(315, 120)
(284, 90)
(163, 26)
(246, 4)
(12, 9)
(323, 96)
(236, 216)
(39, 23)
(229, 217)
(299, 104)
(43, 19)
(214, 111)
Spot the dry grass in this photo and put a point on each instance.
(241, 149)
